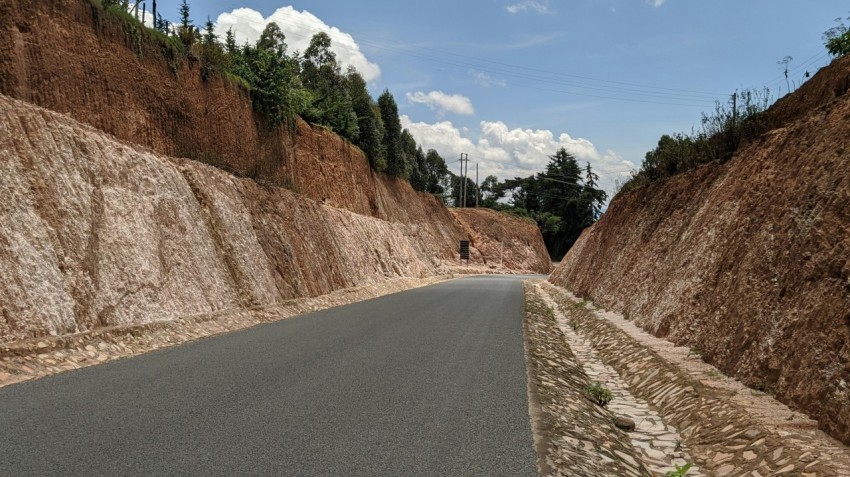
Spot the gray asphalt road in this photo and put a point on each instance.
(427, 382)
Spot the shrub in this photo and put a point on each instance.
(681, 471)
(731, 124)
(599, 394)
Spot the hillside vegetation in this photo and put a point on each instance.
(745, 260)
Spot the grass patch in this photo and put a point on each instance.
(599, 394)
(681, 471)
(712, 373)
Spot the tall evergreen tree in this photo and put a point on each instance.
(436, 171)
(396, 160)
(368, 119)
(185, 21)
(186, 31)
(331, 103)
(273, 76)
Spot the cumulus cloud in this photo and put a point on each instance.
(442, 102)
(299, 27)
(541, 7)
(514, 152)
(485, 80)
(655, 3)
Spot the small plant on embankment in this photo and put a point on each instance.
(681, 471)
(599, 394)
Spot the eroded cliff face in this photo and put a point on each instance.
(501, 240)
(96, 232)
(73, 58)
(99, 232)
(748, 261)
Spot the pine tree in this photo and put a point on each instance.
(230, 42)
(396, 164)
(185, 22)
(368, 119)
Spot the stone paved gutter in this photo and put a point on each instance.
(724, 439)
(574, 436)
(657, 443)
(34, 359)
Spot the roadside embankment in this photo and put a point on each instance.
(747, 261)
(722, 427)
(97, 233)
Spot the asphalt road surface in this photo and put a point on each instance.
(427, 382)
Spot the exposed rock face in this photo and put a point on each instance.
(73, 58)
(97, 233)
(747, 261)
(504, 240)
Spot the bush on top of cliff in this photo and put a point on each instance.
(742, 118)
(284, 86)
(837, 39)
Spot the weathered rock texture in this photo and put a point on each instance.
(746, 261)
(74, 58)
(502, 240)
(96, 233)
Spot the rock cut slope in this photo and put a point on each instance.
(100, 232)
(96, 233)
(748, 261)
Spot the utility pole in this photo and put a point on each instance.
(463, 172)
(465, 177)
(477, 192)
(153, 12)
(460, 184)
(735, 109)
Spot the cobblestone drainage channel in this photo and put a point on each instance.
(656, 442)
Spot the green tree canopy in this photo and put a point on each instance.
(368, 119)
(396, 160)
(837, 39)
(563, 200)
(436, 172)
(331, 102)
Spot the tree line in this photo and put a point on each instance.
(742, 118)
(562, 200)
(284, 85)
(312, 84)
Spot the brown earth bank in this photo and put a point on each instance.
(747, 262)
(98, 233)
(71, 57)
(74, 58)
(504, 241)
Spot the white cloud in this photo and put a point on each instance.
(541, 7)
(506, 153)
(298, 27)
(655, 3)
(485, 80)
(442, 102)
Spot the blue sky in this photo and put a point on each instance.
(509, 81)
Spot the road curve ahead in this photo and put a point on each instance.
(431, 381)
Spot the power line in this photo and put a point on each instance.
(693, 99)
(522, 68)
